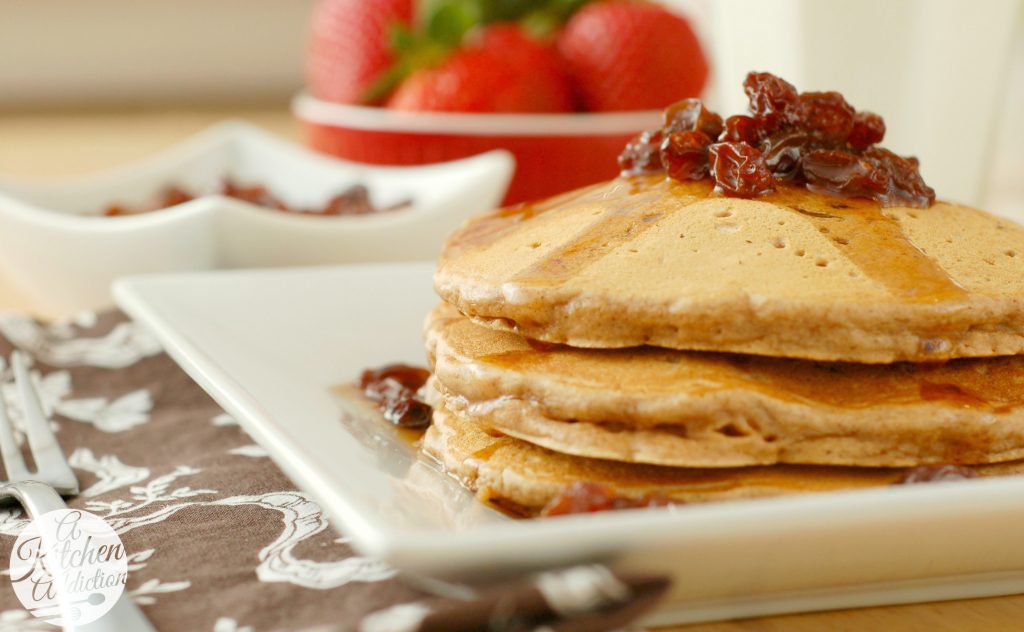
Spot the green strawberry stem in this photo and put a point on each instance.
(441, 26)
(413, 51)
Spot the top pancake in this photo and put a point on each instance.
(792, 274)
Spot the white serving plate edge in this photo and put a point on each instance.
(985, 513)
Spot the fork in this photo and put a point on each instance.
(41, 491)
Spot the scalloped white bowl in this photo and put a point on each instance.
(60, 257)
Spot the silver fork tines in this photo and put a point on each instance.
(38, 492)
(51, 466)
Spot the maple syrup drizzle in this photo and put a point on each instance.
(868, 237)
(951, 393)
(875, 243)
(991, 384)
(618, 225)
(484, 454)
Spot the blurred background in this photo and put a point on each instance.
(79, 75)
(88, 84)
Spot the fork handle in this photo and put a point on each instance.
(36, 498)
(39, 498)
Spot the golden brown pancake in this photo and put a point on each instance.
(793, 274)
(514, 473)
(699, 409)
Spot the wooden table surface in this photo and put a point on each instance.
(48, 145)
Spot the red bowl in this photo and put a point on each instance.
(554, 152)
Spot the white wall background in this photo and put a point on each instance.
(118, 52)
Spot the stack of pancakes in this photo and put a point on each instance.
(657, 338)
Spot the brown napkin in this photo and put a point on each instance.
(219, 539)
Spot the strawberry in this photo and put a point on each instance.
(497, 69)
(349, 46)
(623, 55)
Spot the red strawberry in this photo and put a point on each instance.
(499, 69)
(625, 55)
(349, 47)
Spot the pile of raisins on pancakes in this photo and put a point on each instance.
(813, 139)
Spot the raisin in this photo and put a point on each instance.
(906, 184)
(875, 173)
(254, 194)
(740, 170)
(826, 116)
(773, 101)
(868, 129)
(353, 201)
(740, 129)
(783, 151)
(394, 389)
(691, 115)
(174, 196)
(815, 139)
(843, 173)
(642, 155)
(685, 155)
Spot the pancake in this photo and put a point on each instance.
(699, 409)
(522, 477)
(647, 261)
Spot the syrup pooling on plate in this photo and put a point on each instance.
(395, 388)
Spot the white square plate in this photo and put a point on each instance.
(269, 346)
